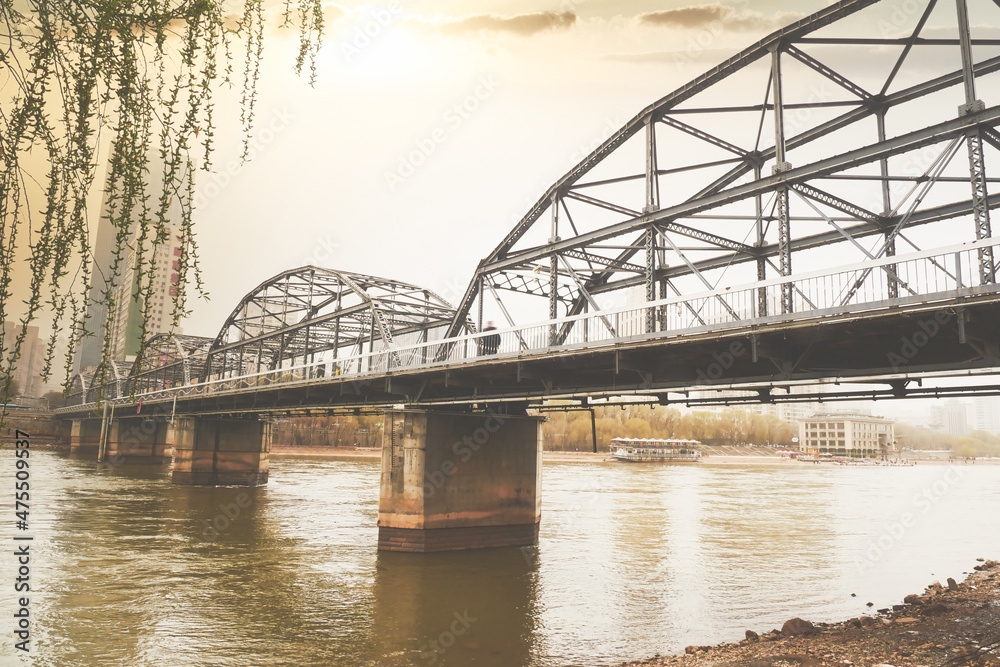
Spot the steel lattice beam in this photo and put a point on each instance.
(777, 233)
(899, 145)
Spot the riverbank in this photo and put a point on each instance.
(953, 624)
(375, 452)
(576, 457)
(547, 457)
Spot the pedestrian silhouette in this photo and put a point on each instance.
(490, 344)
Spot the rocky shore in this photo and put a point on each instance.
(952, 624)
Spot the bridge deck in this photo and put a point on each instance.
(612, 353)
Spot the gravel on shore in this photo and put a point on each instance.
(952, 624)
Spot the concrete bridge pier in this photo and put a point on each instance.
(211, 451)
(138, 440)
(455, 481)
(85, 436)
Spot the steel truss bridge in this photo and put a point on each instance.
(814, 209)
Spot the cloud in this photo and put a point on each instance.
(715, 16)
(688, 17)
(520, 24)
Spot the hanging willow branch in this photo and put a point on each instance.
(144, 73)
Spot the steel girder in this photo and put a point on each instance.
(704, 168)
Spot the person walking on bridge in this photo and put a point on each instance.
(490, 344)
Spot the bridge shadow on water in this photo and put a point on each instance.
(271, 575)
(478, 607)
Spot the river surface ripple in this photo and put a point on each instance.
(633, 560)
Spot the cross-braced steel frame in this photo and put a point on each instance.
(167, 360)
(815, 146)
(300, 314)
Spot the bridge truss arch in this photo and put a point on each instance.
(106, 380)
(312, 314)
(78, 385)
(314, 320)
(840, 139)
(168, 360)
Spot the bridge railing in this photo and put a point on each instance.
(924, 277)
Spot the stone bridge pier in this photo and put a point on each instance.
(206, 451)
(453, 481)
(84, 436)
(215, 451)
(138, 440)
(449, 480)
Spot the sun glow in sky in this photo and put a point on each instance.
(405, 78)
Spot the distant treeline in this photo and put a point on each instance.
(977, 443)
(572, 430)
(569, 431)
(363, 431)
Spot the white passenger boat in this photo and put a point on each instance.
(655, 450)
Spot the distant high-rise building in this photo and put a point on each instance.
(165, 259)
(986, 414)
(795, 413)
(28, 371)
(951, 418)
(88, 352)
(126, 327)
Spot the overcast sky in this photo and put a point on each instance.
(435, 124)
(425, 139)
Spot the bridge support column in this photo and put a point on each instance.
(138, 441)
(85, 436)
(220, 452)
(459, 481)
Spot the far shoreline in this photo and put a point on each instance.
(592, 457)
